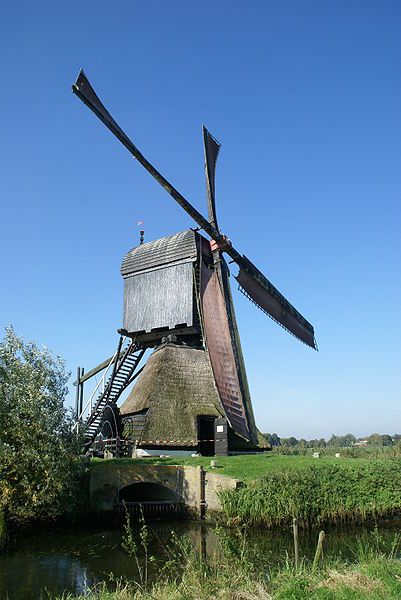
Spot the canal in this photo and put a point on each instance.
(49, 562)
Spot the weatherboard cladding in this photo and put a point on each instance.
(162, 298)
(159, 284)
(167, 250)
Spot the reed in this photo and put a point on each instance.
(319, 494)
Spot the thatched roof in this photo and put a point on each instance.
(175, 387)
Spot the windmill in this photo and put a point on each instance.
(193, 392)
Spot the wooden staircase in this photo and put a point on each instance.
(123, 373)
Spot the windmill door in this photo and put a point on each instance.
(206, 436)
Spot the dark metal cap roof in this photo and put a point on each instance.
(164, 251)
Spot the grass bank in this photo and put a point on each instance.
(373, 580)
(247, 467)
(230, 574)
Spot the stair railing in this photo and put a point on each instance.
(99, 389)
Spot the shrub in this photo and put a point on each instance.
(39, 470)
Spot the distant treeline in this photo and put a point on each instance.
(335, 441)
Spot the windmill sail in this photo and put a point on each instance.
(255, 285)
(85, 92)
(237, 349)
(260, 291)
(212, 149)
(219, 345)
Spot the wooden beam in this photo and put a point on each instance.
(95, 370)
(296, 548)
(319, 550)
(81, 391)
(77, 394)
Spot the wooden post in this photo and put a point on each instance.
(202, 494)
(319, 550)
(81, 392)
(296, 549)
(77, 411)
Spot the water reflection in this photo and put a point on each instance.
(56, 561)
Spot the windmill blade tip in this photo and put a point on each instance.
(80, 77)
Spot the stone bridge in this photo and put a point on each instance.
(111, 483)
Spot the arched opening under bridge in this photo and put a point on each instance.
(147, 492)
(148, 500)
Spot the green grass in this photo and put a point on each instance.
(374, 580)
(246, 467)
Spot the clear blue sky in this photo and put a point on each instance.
(305, 97)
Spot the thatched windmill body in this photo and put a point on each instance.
(193, 391)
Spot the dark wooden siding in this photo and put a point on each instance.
(162, 298)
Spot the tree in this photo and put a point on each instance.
(276, 441)
(39, 469)
(291, 441)
(375, 440)
(341, 441)
(334, 441)
(348, 439)
(268, 437)
(273, 439)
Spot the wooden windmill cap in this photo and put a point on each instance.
(164, 251)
